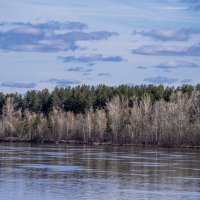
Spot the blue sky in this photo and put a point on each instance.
(51, 43)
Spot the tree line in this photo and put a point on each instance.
(140, 115)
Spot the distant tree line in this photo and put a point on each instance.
(144, 115)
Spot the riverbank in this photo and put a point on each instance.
(133, 119)
(78, 142)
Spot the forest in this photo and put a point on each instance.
(123, 115)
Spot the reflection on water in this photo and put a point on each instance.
(80, 172)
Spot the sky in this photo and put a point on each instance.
(44, 44)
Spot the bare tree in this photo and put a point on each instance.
(118, 114)
(100, 123)
(9, 118)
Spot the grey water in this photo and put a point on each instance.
(52, 172)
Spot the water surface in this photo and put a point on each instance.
(55, 172)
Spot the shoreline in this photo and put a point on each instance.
(78, 142)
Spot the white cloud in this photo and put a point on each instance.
(175, 64)
(160, 50)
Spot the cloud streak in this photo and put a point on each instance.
(63, 82)
(75, 69)
(92, 58)
(83, 36)
(18, 85)
(160, 50)
(169, 34)
(174, 64)
(104, 74)
(79, 69)
(141, 67)
(48, 25)
(161, 80)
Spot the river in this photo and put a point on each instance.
(52, 172)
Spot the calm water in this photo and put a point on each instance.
(51, 172)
